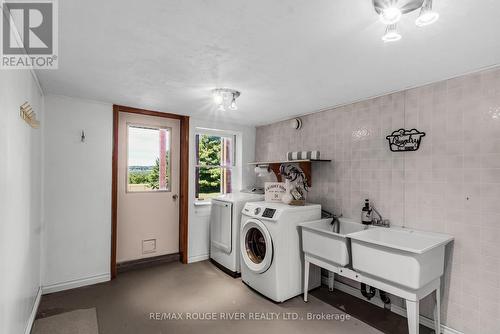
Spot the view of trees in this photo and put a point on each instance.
(209, 155)
(209, 178)
(138, 176)
(149, 175)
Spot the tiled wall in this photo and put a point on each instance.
(451, 185)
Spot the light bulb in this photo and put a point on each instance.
(233, 105)
(218, 98)
(427, 15)
(391, 34)
(390, 15)
(426, 19)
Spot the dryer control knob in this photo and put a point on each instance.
(256, 211)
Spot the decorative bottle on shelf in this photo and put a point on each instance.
(366, 213)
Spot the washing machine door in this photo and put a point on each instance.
(256, 246)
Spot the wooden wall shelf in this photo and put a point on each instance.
(304, 164)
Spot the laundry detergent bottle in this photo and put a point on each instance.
(366, 213)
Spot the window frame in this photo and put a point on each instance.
(169, 149)
(215, 133)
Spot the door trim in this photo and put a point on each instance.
(183, 182)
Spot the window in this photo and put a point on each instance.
(214, 165)
(148, 158)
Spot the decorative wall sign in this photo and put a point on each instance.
(405, 140)
(274, 191)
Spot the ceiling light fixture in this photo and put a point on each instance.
(225, 98)
(391, 34)
(391, 11)
(427, 15)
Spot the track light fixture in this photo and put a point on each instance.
(225, 98)
(391, 11)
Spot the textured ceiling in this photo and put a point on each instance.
(288, 57)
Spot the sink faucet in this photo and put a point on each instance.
(380, 221)
(335, 223)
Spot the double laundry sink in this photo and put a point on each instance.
(402, 256)
(403, 262)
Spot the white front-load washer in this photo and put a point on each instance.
(225, 218)
(272, 262)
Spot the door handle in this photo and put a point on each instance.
(175, 197)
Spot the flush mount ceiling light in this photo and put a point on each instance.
(391, 11)
(225, 98)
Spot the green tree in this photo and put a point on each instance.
(209, 155)
(154, 176)
(138, 177)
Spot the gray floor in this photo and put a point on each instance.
(124, 304)
(75, 322)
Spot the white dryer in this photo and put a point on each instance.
(272, 260)
(225, 218)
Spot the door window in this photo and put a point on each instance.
(148, 158)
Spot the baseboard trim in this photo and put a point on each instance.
(34, 310)
(147, 262)
(198, 258)
(76, 283)
(225, 270)
(429, 323)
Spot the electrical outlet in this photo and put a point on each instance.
(148, 246)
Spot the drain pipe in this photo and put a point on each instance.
(384, 297)
(366, 294)
(371, 293)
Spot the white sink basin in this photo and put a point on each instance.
(406, 257)
(320, 241)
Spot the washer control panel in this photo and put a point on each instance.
(262, 210)
(268, 213)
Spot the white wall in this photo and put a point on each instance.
(78, 191)
(198, 229)
(77, 200)
(20, 200)
(450, 185)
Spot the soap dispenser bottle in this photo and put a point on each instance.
(366, 213)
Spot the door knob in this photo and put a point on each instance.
(175, 197)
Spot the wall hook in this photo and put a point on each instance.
(83, 137)
(28, 115)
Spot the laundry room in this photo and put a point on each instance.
(286, 166)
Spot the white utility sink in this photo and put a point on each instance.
(406, 257)
(320, 241)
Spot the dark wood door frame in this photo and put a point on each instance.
(183, 182)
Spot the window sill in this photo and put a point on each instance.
(202, 203)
